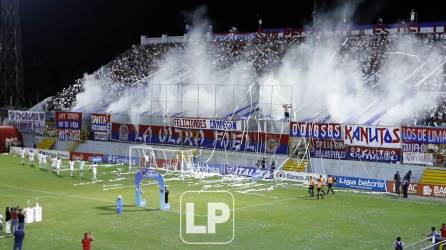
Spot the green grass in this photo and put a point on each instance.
(268, 216)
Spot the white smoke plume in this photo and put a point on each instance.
(320, 80)
(188, 82)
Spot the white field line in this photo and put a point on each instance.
(55, 193)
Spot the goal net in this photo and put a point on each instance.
(163, 158)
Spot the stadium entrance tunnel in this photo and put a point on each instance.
(147, 173)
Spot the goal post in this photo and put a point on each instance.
(177, 160)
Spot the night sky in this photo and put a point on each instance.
(63, 39)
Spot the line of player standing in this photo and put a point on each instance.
(320, 182)
(56, 163)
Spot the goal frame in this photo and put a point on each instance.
(183, 152)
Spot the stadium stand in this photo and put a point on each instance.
(46, 143)
(141, 61)
(434, 176)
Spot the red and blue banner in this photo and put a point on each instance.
(205, 138)
(424, 146)
(69, 125)
(424, 135)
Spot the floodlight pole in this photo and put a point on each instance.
(11, 66)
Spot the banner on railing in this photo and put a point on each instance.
(316, 130)
(424, 135)
(69, 125)
(213, 139)
(425, 146)
(100, 126)
(418, 158)
(372, 136)
(387, 155)
(329, 149)
(198, 123)
(27, 121)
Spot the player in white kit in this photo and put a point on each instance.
(94, 170)
(39, 158)
(31, 158)
(81, 168)
(53, 163)
(71, 168)
(44, 160)
(22, 156)
(58, 163)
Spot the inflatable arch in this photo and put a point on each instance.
(146, 173)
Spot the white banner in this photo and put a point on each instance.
(296, 176)
(61, 154)
(207, 124)
(101, 136)
(418, 158)
(372, 136)
(27, 121)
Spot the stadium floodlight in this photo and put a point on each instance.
(168, 159)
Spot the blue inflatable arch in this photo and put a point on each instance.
(146, 173)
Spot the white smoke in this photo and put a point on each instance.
(188, 82)
(325, 81)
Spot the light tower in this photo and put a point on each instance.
(11, 67)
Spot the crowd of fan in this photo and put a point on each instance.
(141, 61)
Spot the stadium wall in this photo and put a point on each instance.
(363, 169)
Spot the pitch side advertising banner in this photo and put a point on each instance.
(69, 125)
(388, 155)
(198, 123)
(372, 136)
(27, 121)
(224, 169)
(316, 130)
(424, 135)
(79, 156)
(120, 159)
(375, 185)
(300, 177)
(421, 189)
(50, 153)
(218, 139)
(431, 190)
(413, 187)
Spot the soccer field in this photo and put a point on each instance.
(268, 215)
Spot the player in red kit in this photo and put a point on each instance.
(86, 241)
